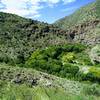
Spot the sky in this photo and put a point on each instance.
(43, 10)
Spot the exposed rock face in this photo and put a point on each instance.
(83, 26)
(86, 33)
(95, 54)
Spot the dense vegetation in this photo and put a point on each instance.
(22, 92)
(45, 87)
(65, 61)
(19, 37)
(32, 52)
(52, 59)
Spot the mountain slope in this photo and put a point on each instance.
(84, 14)
(84, 25)
(34, 45)
(19, 37)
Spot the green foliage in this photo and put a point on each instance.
(95, 54)
(19, 37)
(58, 89)
(92, 75)
(10, 91)
(69, 57)
(57, 60)
(69, 70)
(97, 65)
(92, 90)
(22, 92)
(74, 47)
(83, 59)
(98, 8)
(95, 71)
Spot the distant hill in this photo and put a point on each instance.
(19, 36)
(84, 14)
(84, 25)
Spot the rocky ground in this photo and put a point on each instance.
(35, 78)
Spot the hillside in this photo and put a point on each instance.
(60, 61)
(85, 14)
(19, 37)
(84, 25)
(28, 84)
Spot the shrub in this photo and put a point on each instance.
(69, 68)
(95, 54)
(58, 60)
(92, 90)
(83, 59)
(93, 75)
(74, 47)
(69, 57)
(97, 65)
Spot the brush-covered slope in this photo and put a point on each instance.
(19, 37)
(84, 25)
(27, 84)
(84, 14)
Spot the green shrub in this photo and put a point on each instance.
(69, 68)
(97, 65)
(68, 58)
(74, 47)
(92, 90)
(95, 72)
(59, 60)
(95, 54)
(93, 75)
(83, 59)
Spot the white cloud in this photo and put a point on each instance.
(21, 8)
(28, 7)
(68, 1)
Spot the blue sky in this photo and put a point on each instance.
(42, 10)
